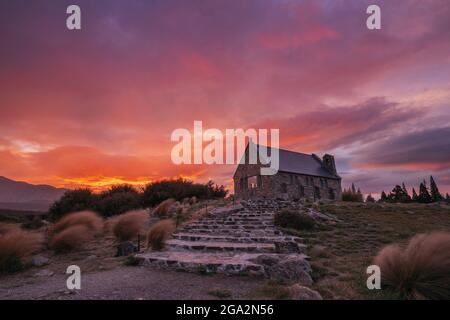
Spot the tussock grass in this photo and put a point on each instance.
(419, 271)
(159, 233)
(128, 225)
(71, 238)
(163, 208)
(92, 221)
(15, 246)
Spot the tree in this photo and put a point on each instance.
(435, 194)
(370, 199)
(405, 191)
(424, 195)
(352, 194)
(398, 194)
(415, 197)
(447, 198)
(384, 197)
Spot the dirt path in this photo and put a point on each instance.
(128, 283)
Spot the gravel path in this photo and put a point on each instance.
(127, 283)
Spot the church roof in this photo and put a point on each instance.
(300, 163)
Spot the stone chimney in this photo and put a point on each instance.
(328, 163)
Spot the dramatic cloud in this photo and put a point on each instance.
(428, 149)
(97, 106)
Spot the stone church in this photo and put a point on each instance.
(300, 176)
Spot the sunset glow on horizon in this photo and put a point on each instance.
(96, 107)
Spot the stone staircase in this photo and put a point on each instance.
(230, 240)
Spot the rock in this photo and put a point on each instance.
(39, 261)
(91, 257)
(125, 249)
(299, 292)
(44, 273)
(321, 217)
(286, 247)
(266, 260)
(294, 268)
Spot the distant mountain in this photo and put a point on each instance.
(17, 195)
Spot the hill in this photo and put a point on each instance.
(18, 195)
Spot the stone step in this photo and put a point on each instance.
(219, 224)
(238, 219)
(228, 226)
(220, 246)
(228, 238)
(233, 232)
(202, 262)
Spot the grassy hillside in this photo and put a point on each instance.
(341, 254)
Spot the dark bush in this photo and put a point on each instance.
(72, 201)
(293, 220)
(156, 192)
(34, 222)
(117, 200)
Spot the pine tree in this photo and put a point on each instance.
(435, 194)
(398, 194)
(447, 198)
(353, 188)
(415, 197)
(424, 195)
(405, 193)
(384, 197)
(370, 199)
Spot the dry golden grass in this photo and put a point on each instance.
(72, 238)
(16, 245)
(128, 225)
(159, 233)
(421, 270)
(163, 208)
(92, 221)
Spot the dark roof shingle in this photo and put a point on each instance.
(301, 163)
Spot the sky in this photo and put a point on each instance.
(96, 107)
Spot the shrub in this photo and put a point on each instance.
(88, 219)
(34, 222)
(163, 208)
(128, 225)
(15, 245)
(117, 200)
(421, 270)
(179, 189)
(159, 233)
(370, 199)
(72, 201)
(293, 220)
(72, 238)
